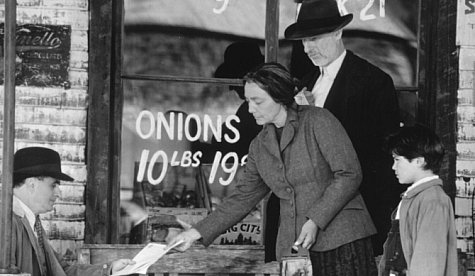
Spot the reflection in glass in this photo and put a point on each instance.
(187, 37)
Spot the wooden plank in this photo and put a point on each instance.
(8, 135)
(467, 79)
(71, 194)
(79, 40)
(215, 259)
(64, 230)
(438, 79)
(78, 59)
(116, 121)
(66, 4)
(467, 58)
(77, 19)
(67, 248)
(66, 212)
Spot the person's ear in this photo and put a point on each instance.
(29, 184)
(421, 161)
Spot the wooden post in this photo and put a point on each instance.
(438, 79)
(272, 30)
(104, 123)
(8, 136)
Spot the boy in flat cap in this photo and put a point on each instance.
(36, 176)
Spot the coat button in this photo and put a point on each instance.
(288, 190)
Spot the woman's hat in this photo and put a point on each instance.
(37, 161)
(239, 58)
(317, 17)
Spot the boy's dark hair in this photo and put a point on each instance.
(417, 141)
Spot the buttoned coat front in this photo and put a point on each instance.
(315, 173)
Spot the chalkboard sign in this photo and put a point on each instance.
(42, 54)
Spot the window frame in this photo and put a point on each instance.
(106, 99)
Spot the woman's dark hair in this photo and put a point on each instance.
(276, 80)
(417, 141)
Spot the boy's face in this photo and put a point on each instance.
(406, 171)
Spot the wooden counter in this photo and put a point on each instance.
(216, 259)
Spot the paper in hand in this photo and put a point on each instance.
(151, 253)
(304, 97)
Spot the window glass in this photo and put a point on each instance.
(182, 153)
(187, 37)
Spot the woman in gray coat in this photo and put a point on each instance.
(305, 157)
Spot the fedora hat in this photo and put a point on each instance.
(239, 58)
(37, 161)
(317, 17)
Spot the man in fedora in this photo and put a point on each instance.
(359, 94)
(36, 176)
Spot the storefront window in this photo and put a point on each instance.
(182, 65)
(173, 166)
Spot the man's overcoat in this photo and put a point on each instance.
(363, 99)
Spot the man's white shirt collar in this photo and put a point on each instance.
(30, 216)
(333, 68)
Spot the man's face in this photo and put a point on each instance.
(323, 49)
(45, 191)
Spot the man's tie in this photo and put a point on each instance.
(39, 233)
(41, 242)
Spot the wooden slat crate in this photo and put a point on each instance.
(214, 260)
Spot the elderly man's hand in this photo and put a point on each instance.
(120, 264)
(185, 239)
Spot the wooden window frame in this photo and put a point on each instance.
(105, 111)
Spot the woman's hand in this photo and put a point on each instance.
(120, 264)
(185, 239)
(308, 235)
